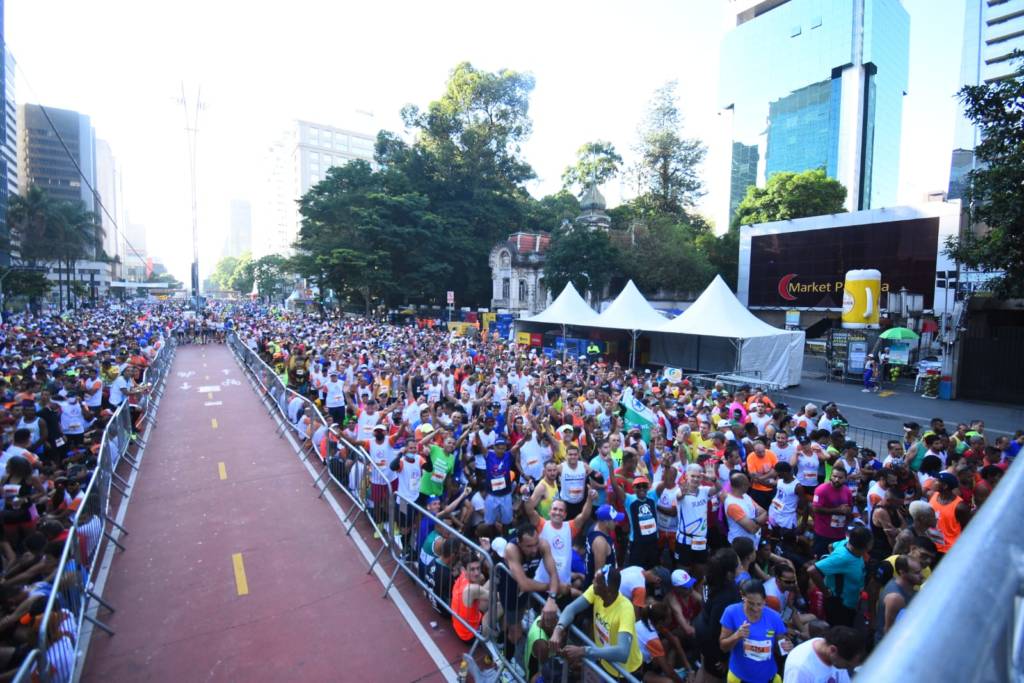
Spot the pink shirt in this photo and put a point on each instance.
(829, 525)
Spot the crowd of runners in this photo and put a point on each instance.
(728, 537)
(61, 380)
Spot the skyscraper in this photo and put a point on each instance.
(239, 238)
(297, 161)
(8, 140)
(108, 187)
(993, 29)
(815, 84)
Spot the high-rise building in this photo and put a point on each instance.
(811, 84)
(298, 161)
(993, 29)
(136, 259)
(43, 160)
(108, 187)
(8, 140)
(239, 238)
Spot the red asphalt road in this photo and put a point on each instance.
(312, 612)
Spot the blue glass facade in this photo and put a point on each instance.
(789, 81)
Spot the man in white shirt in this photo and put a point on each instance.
(334, 391)
(825, 660)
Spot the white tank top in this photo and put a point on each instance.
(32, 427)
(560, 541)
(573, 487)
(807, 470)
(71, 419)
(782, 511)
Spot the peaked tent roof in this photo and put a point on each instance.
(630, 311)
(718, 313)
(568, 309)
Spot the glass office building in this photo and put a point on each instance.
(816, 84)
(993, 31)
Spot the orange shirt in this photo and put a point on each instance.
(761, 465)
(471, 613)
(948, 524)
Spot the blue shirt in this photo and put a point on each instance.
(599, 465)
(498, 467)
(841, 562)
(751, 659)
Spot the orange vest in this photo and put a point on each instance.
(470, 614)
(948, 524)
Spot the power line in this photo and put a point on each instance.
(67, 150)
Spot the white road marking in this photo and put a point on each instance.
(210, 387)
(186, 386)
(213, 403)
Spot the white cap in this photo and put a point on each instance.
(498, 545)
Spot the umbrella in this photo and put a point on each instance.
(898, 333)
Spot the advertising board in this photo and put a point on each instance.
(805, 268)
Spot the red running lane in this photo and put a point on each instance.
(312, 612)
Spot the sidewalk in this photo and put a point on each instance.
(896, 404)
(234, 570)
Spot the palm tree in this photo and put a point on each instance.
(49, 230)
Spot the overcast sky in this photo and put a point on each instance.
(260, 64)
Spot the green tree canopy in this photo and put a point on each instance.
(995, 192)
(597, 162)
(587, 258)
(666, 257)
(223, 271)
(789, 195)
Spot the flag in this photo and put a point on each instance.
(673, 375)
(637, 414)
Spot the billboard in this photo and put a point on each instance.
(805, 268)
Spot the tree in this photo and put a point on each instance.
(667, 172)
(54, 231)
(242, 277)
(587, 258)
(789, 195)
(223, 271)
(31, 284)
(994, 193)
(549, 212)
(270, 275)
(665, 257)
(597, 162)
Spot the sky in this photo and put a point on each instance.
(258, 65)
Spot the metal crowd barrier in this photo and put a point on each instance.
(72, 601)
(395, 520)
(980, 635)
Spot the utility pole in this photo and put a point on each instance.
(191, 134)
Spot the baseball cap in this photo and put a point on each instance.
(605, 513)
(641, 480)
(911, 426)
(380, 428)
(564, 428)
(426, 428)
(948, 479)
(681, 579)
(500, 442)
(498, 545)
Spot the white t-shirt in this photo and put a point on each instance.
(335, 393)
(533, 457)
(760, 421)
(804, 666)
(118, 388)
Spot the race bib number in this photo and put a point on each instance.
(575, 491)
(59, 442)
(381, 462)
(648, 527)
(837, 522)
(437, 477)
(75, 427)
(757, 650)
(11, 490)
(777, 504)
(699, 544)
(497, 483)
(601, 629)
(532, 462)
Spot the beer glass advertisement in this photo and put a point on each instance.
(805, 269)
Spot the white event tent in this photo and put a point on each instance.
(568, 309)
(718, 334)
(630, 311)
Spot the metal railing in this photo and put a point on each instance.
(73, 602)
(980, 633)
(397, 522)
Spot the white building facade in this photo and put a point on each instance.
(296, 162)
(517, 273)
